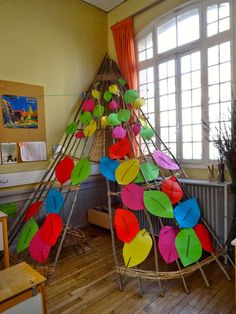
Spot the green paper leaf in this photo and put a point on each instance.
(122, 81)
(71, 128)
(98, 111)
(149, 172)
(130, 96)
(9, 209)
(124, 115)
(143, 121)
(188, 246)
(107, 96)
(113, 119)
(26, 235)
(158, 204)
(85, 117)
(81, 171)
(147, 133)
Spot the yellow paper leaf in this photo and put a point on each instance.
(136, 251)
(90, 129)
(114, 89)
(127, 171)
(139, 102)
(104, 121)
(96, 94)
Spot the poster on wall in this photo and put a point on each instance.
(19, 112)
(9, 153)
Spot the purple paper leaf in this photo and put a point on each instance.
(166, 244)
(164, 160)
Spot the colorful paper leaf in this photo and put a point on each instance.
(136, 251)
(108, 168)
(187, 213)
(122, 81)
(54, 201)
(127, 171)
(85, 117)
(147, 133)
(114, 89)
(113, 119)
(104, 121)
(26, 235)
(164, 160)
(79, 134)
(166, 244)
(32, 210)
(90, 129)
(188, 246)
(120, 149)
(158, 204)
(96, 94)
(88, 105)
(113, 105)
(126, 225)
(130, 96)
(63, 169)
(51, 229)
(139, 102)
(98, 111)
(124, 115)
(38, 249)
(119, 132)
(204, 237)
(132, 196)
(148, 172)
(136, 128)
(71, 128)
(172, 188)
(107, 96)
(81, 171)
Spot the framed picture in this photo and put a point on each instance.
(9, 153)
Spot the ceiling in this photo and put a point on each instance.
(105, 5)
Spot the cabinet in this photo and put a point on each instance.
(22, 290)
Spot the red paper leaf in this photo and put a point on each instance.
(204, 237)
(172, 189)
(126, 225)
(120, 149)
(32, 210)
(51, 229)
(64, 169)
(38, 249)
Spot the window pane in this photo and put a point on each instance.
(162, 70)
(212, 13)
(141, 56)
(213, 75)
(172, 147)
(172, 134)
(197, 132)
(151, 105)
(141, 44)
(224, 25)
(196, 97)
(171, 101)
(163, 87)
(214, 113)
(164, 118)
(149, 54)
(150, 77)
(188, 27)
(171, 68)
(187, 151)
(163, 103)
(186, 99)
(185, 81)
(196, 114)
(196, 79)
(225, 114)
(213, 152)
(197, 150)
(185, 64)
(149, 41)
(223, 10)
(142, 77)
(167, 36)
(212, 29)
(225, 92)
(186, 116)
(172, 117)
(164, 135)
(213, 55)
(213, 94)
(171, 85)
(187, 133)
(225, 72)
(195, 61)
(225, 52)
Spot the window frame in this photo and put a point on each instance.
(202, 44)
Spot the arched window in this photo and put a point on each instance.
(185, 73)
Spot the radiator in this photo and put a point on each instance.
(215, 201)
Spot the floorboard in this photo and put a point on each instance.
(87, 283)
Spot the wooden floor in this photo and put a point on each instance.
(88, 284)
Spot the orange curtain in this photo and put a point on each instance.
(124, 44)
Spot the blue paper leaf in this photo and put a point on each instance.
(108, 168)
(54, 201)
(187, 213)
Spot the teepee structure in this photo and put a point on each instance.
(110, 128)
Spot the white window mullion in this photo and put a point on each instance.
(178, 110)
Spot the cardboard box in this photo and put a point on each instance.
(98, 217)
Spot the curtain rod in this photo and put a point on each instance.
(151, 5)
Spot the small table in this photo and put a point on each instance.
(22, 290)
